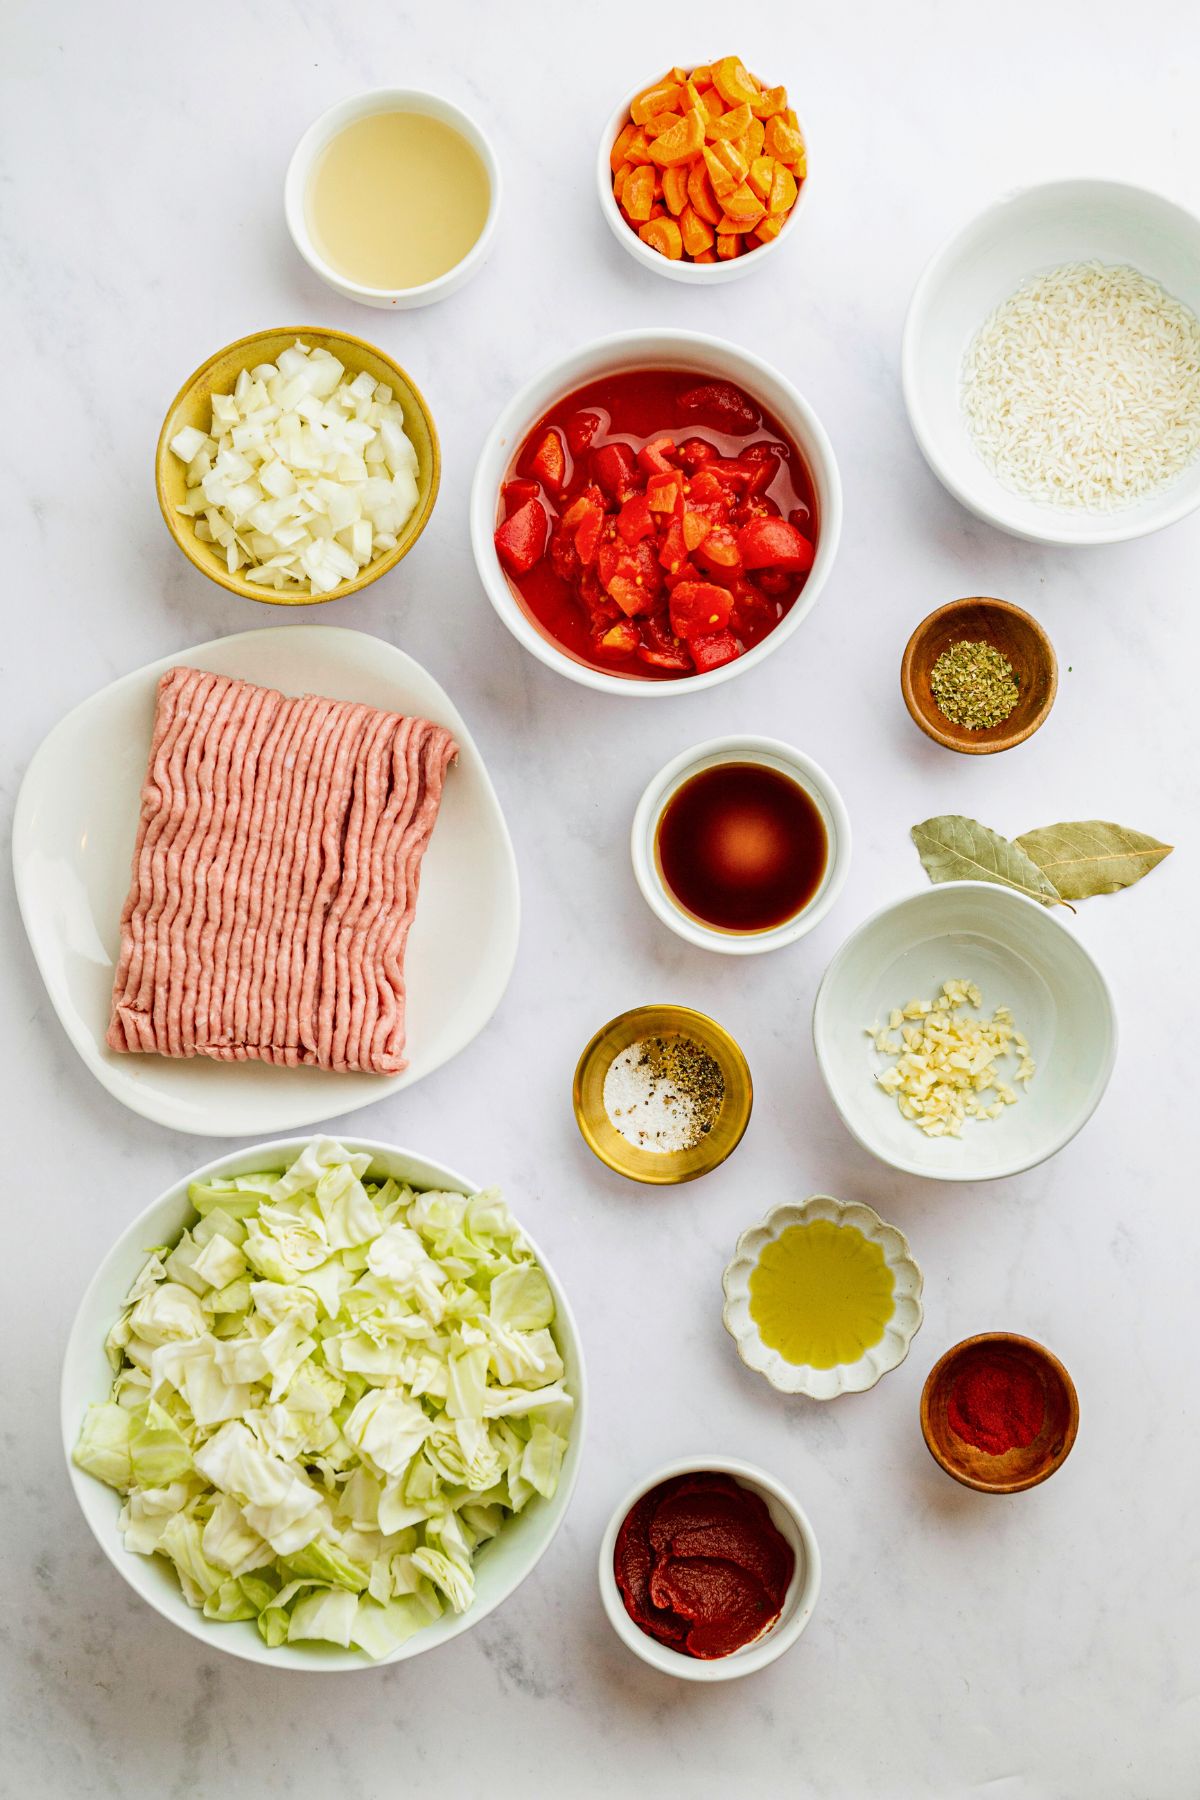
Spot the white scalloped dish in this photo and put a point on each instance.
(842, 1378)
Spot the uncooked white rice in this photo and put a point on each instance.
(1083, 388)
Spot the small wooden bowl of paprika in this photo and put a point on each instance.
(999, 1413)
(1003, 627)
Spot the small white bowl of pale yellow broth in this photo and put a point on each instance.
(392, 197)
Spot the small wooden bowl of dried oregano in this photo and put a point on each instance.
(979, 675)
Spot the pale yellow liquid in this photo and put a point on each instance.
(821, 1294)
(396, 200)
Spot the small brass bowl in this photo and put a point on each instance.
(1016, 635)
(192, 405)
(657, 1167)
(1015, 1470)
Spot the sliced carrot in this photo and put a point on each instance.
(664, 96)
(702, 76)
(660, 123)
(664, 236)
(697, 231)
(723, 180)
(744, 204)
(701, 195)
(769, 102)
(728, 246)
(732, 159)
(800, 165)
(705, 256)
(732, 81)
(637, 150)
(762, 176)
(769, 228)
(727, 227)
(681, 143)
(674, 187)
(783, 141)
(624, 138)
(638, 196)
(730, 125)
(783, 191)
(754, 140)
(620, 178)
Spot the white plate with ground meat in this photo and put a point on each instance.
(85, 817)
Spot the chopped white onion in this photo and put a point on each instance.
(305, 477)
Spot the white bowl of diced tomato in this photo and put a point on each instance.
(655, 513)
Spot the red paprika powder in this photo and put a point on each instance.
(997, 1402)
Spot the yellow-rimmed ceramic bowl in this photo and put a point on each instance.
(842, 1378)
(192, 405)
(657, 1167)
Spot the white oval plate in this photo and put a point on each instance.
(73, 836)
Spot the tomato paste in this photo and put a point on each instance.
(656, 524)
(701, 1565)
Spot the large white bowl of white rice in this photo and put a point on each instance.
(1051, 363)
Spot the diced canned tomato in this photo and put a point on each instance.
(549, 461)
(665, 552)
(521, 539)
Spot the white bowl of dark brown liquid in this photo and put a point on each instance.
(741, 844)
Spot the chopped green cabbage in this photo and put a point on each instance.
(327, 1395)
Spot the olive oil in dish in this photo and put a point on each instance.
(396, 200)
(741, 847)
(821, 1294)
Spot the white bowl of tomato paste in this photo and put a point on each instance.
(655, 513)
(709, 1569)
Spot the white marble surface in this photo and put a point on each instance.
(1045, 1646)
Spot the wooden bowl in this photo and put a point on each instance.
(1015, 1470)
(1016, 635)
(192, 405)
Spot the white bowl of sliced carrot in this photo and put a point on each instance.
(702, 172)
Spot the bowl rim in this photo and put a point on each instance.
(80, 1345)
(1041, 1354)
(998, 514)
(1019, 1164)
(249, 590)
(586, 362)
(955, 738)
(697, 274)
(748, 1340)
(753, 1656)
(364, 106)
(735, 747)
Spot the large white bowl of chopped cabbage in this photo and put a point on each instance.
(322, 1404)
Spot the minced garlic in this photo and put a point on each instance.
(946, 1066)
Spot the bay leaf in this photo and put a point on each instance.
(955, 848)
(1092, 856)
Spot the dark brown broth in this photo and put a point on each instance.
(741, 847)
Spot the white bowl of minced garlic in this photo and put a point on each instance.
(964, 1033)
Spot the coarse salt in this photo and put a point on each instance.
(663, 1093)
